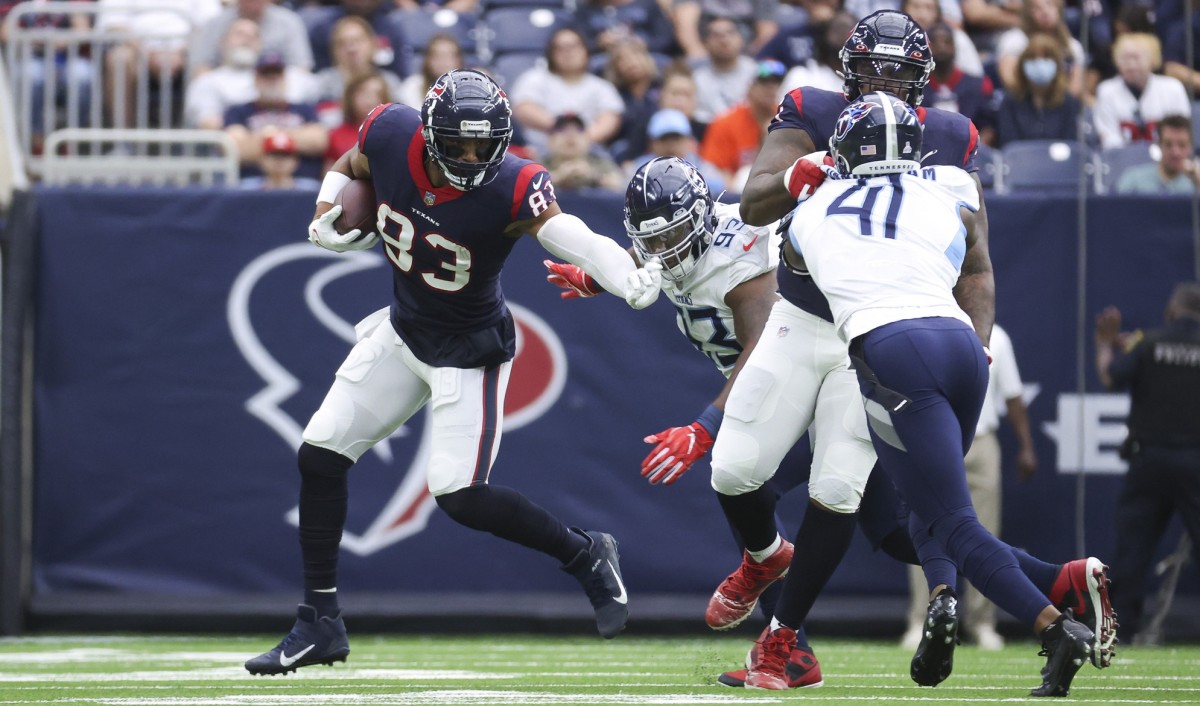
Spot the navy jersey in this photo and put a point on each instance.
(949, 138)
(447, 247)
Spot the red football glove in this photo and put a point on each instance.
(803, 177)
(678, 448)
(571, 278)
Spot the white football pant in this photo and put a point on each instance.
(798, 370)
(381, 384)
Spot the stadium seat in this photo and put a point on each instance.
(508, 67)
(422, 25)
(1045, 166)
(315, 16)
(521, 29)
(1114, 161)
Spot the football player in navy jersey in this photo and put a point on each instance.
(887, 52)
(451, 204)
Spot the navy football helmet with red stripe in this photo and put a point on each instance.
(888, 51)
(466, 110)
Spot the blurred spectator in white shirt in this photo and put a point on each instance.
(213, 92)
(1130, 104)
(281, 31)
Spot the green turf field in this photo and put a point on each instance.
(131, 670)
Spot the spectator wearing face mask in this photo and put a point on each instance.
(1038, 107)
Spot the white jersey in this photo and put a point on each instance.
(886, 248)
(739, 252)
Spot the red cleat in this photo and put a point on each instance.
(1082, 586)
(769, 670)
(803, 671)
(735, 598)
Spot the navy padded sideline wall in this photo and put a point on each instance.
(183, 338)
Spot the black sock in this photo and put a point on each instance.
(752, 516)
(509, 515)
(898, 545)
(323, 498)
(821, 542)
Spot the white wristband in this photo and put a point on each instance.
(332, 185)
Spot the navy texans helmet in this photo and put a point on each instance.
(887, 51)
(464, 104)
(669, 215)
(876, 134)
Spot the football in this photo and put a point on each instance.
(358, 207)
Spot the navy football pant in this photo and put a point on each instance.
(924, 382)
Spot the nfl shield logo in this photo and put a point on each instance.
(429, 198)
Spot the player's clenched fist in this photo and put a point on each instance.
(322, 233)
(643, 284)
(677, 449)
(805, 175)
(571, 278)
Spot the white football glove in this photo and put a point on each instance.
(643, 284)
(322, 233)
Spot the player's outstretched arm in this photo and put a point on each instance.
(767, 197)
(975, 291)
(677, 449)
(575, 283)
(567, 237)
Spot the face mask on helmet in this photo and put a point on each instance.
(876, 134)
(669, 215)
(467, 127)
(887, 51)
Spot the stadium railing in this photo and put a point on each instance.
(12, 162)
(155, 95)
(155, 157)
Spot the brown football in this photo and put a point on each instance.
(358, 207)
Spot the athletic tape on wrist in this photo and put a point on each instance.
(331, 186)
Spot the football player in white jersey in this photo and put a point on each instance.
(885, 243)
(720, 274)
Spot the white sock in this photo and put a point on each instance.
(775, 624)
(773, 547)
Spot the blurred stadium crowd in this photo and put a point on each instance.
(600, 86)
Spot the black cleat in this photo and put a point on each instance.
(311, 641)
(934, 658)
(1066, 644)
(598, 569)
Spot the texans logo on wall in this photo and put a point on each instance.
(397, 504)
